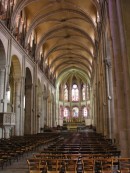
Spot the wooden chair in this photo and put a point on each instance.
(71, 166)
(34, 165)
(52, 166)
(106, 166)
(88, 165)
(61, 166)
(124, 165)
(43, 165)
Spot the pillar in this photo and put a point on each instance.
(44, 110)
(109, 97)
(28, 109)
(7, 132)
(125, 58)
(2, 79)
(17, 106)
(119, 78)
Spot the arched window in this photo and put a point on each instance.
(66, 112)
(85, 112)
(83, 93)
(75, 112)
(75, 93)
(66, 93)
(8, 95)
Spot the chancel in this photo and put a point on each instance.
(64, 86)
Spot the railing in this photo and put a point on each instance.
(7, 119)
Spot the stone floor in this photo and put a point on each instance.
(19, 166)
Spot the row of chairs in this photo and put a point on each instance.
(78, 153)
(82, 165)
(13, 148)
(85, 143)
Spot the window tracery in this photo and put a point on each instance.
(83, 93)
(66, 112)
(75, 93)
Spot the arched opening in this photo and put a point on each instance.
(2, 75)
(14, 94)
(2, 83)
(28, 103)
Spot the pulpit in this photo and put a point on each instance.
(7, 121)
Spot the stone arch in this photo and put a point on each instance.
(14, 87)
(28, 102)
(2, 79)
(2, 75)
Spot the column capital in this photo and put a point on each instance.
(108, 62)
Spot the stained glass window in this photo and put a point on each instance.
(66, 112)
(66, 93)
(75, 112)
(75, 93)
(83, 93)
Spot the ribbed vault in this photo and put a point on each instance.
(65, 32)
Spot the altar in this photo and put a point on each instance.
(74, 123)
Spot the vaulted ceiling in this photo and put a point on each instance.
(66, 34)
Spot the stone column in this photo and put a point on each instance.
(38, 116)
(88, 92)
(22, 106)
(2, 79)
(119, 77)
(28, 109)
(53, 114)
(107, 65)
(70, 93)
(17, 106)
(125, 59)
(80, 93)
(110, 94)
(80, 113)
(48, 112)
(44, 110)
(7, 132)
